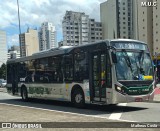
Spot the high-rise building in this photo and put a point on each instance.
(13, 52)
(47, 36)
(156, 28)
(79, 29)
(117, 19)
(29, 42)
(143, 23)
(127, 19)
(3, 47)
(109, 18)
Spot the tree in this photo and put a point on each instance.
(3, 71)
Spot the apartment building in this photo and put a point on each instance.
(29, 42)
(128, 19)
(156, 28)
(3, 47)
(79, 29)
(117, 19)
(47, 36)
(13, 52)
(143, 24)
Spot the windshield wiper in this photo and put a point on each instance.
(141, 59)
(127, 59)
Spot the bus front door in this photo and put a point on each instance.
(98, 80)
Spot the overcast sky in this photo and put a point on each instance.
(34, 12)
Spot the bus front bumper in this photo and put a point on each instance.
(134, 98)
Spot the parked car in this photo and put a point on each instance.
(3, 83)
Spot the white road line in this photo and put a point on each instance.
(104, 117)
(117, 115)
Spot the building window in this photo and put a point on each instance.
(156, 32)
(143, 27)
(156, 40)
(143, 35)
(143, 12)
(156, 24)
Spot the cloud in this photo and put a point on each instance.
(35, 12)
(12, 40)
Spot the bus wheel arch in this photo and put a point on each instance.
(24, 93)
(77, 96)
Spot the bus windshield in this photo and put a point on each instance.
(134, 66)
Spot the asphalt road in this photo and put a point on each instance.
(13, 109)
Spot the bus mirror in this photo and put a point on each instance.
(114, 57)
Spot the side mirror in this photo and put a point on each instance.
(114, 57)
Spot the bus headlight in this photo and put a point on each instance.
(120, 89)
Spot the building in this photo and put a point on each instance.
(47, 36)
(156, 28)
(3, 47)
(60, 43)
(143, 23)
(117, 19)
(128, 19)
(29, 42)
(79, 29)
(14, 52)
(109, 18)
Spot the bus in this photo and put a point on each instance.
(104, 73)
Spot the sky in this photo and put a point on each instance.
(34, 12)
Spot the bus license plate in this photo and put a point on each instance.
(138, 99)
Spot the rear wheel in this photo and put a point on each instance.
(24, 94)
(78, 98)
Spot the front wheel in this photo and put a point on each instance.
(24, 94)
(78, 98)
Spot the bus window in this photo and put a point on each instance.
(68, 67)
(54, 68)
(80, 66)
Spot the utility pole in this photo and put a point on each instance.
(19, 29)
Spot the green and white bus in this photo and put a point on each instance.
(105, 72)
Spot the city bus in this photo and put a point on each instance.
(104, 73)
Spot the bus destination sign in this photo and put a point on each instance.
(128, 45)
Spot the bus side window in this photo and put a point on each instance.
(68, 67)
(80, 66)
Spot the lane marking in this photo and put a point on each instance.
(117, 115)
(65, 112)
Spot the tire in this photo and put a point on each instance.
(78, 98)
(24, 94)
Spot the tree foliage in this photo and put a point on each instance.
(3, 71)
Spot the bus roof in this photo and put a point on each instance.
(64, 50)
(127, 40)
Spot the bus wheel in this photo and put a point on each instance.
(78, 98)
(24, 94)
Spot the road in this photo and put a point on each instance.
(13, 109)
